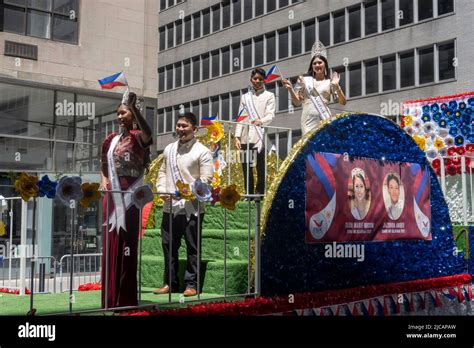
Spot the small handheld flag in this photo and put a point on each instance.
(113, 81)
(272, 74)
(243, 114)
(206, 121)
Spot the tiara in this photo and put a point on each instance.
(319, 49)
(356, 171)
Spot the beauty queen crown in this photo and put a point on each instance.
(319, 49)
(356, 171)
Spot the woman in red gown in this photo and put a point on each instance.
(125, 156)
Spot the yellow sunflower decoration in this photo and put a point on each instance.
(184, 190)
(91, 193)
(229, 197)
(27, 186)
(420, 141)
(215, 131)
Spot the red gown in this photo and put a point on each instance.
(129, 155)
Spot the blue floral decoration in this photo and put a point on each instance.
(457, 113)
(453, 104)
(462, 105)
(435, 107)
(436, 117)
(47, 187)
(468, 111)
(447, 112)
(459, 140)
(466, 119)
(470, 101)
(426, 109)
(453, 131)
(426, 118)
(289, 265)
(465, 130)
(443, 123)
(471, 140)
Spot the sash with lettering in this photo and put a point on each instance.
(317, 100)
(252, 110)
(122, 201)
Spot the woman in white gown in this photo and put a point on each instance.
(314, 90)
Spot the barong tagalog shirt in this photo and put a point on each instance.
(193, 161)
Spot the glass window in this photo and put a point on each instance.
(259, 8)
(258, 51)
(236, 65)
(282, 43)
(64, 6)
(197, 25)
(225, 106)
(195, 109)
(339, 27)
(324, 33)
(14, 20)
(169, 77)
(342, 73)
(388, 73)
(371, 76)
(216, 18)
(445, 6)
(354, 23)
(44, 5)
(226, 14)
(170, 3)
(405, 13)
(309, 34)
(296, 39)
(407, 69)
(169, 120)
(247, 46)
(425, 9)
(64, 29)
(283, 3)
(161, 121)
(215, 106)
(370, 17)
(187, 29)
(446, 61)
(205, 108)
(271, 5)
(388, 14)
(162, 38)
(248, 9)
(282, 98)
(426, 65)
(169, 30)
(215, 64)
(179, 32)
(162, 4)
(237, 11)
(235, 104)
(355, 80)
(205, 66)
(271, 47)
(177, 75)
(187, 72)
(206, 22)
(161, 79)
(225, 60)
(65, 125)
(39, 24)
(196, 70)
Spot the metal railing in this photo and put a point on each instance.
(85, 268)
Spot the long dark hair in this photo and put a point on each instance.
(326, 65)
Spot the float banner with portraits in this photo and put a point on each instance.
(365, 199)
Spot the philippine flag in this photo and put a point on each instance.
(113, 81)
(272, 75)
(206, 121)
(243, 114)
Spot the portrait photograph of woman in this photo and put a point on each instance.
(393, 195)
(359, 193)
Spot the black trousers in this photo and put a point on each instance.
(188, 229)
(260, 159)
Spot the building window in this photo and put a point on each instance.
(162, 38)
(425, 9)
(161, 79)
(355, 80)
(309, 35)
(445, 6)
(258, 51)
(407, 69)
(371, 76)
(195, 109)
(426, 65)
(354, 23)
(271, 47)
(161, 121)
(196, 70)
(235, 104)
(42, 19)
(388, 14)
(342, 73)
(248, 9)
(324, 31)
(225, 14)
(405, 13)
(389, 80)
(225, 60)
(205, 108)
(179, 32)
(197, 25)
(283, 3)
(259, 8)
(216, 18)
(271, 5)
(170, 31)
(247, 46)
(187, 29)
(162, 5)
(371, 17)
(215, 106)
(215, 64)
(296, 39)
(282, 43)
(236, 65)
(446, 61)
(237, 11)
(225, 106)
(187, 72)
(206, 22)
(205, 66)
(177, 75)
(169, 120)
(169, 77)
(339, 27)
(282, 98)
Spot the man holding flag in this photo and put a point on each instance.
(257, 109)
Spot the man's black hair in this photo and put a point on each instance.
(190, 117)
(258, 71)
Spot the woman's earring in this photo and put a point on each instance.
(135, 125)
